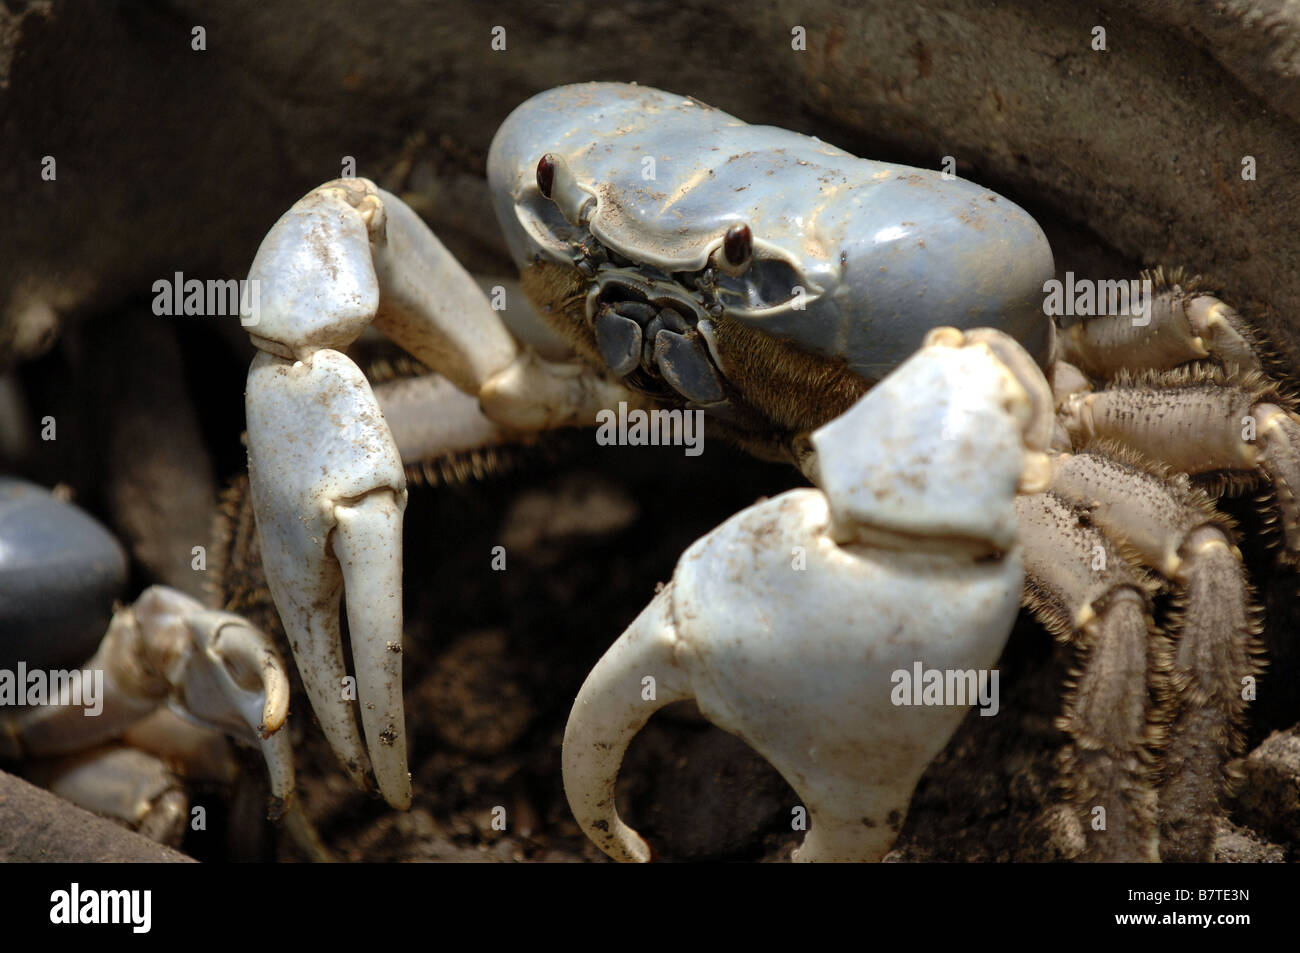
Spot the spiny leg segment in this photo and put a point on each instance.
(1080, 587)
(1233, 428)
(1161, 521)
(1222, 420)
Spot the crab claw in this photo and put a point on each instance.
(326, 478)
(328, 492)
(906, 559)
(212, 668)
(235, 681)
(219, 672)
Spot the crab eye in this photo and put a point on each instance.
(738, 248)
(556, 182)
(546, 174)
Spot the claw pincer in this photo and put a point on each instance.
(787, 623)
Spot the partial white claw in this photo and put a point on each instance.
(239, 686)
(210, 667)
(368, 545)
(133, 786)
(328, 492)
(788, 623)
(608, 712)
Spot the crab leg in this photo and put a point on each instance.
(1173, 527)
(430, 417)
(325, 474)
(1103, 608)
(1179, 325)
(133, 786)
(1199, 420)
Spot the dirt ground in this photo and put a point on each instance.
(182, 164)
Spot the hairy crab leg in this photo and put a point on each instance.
(1201, 420)
(1103, 607)
(1173, 527)
(325, 473)
(1180, 325)
(911, 556)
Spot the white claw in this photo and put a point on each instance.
(240, 682)
(327, 484)
(788, 623)
(608, 712)
(242, 688)
(323, 466)
(212, 668)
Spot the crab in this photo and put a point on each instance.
(766, 280)
(166, 684)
